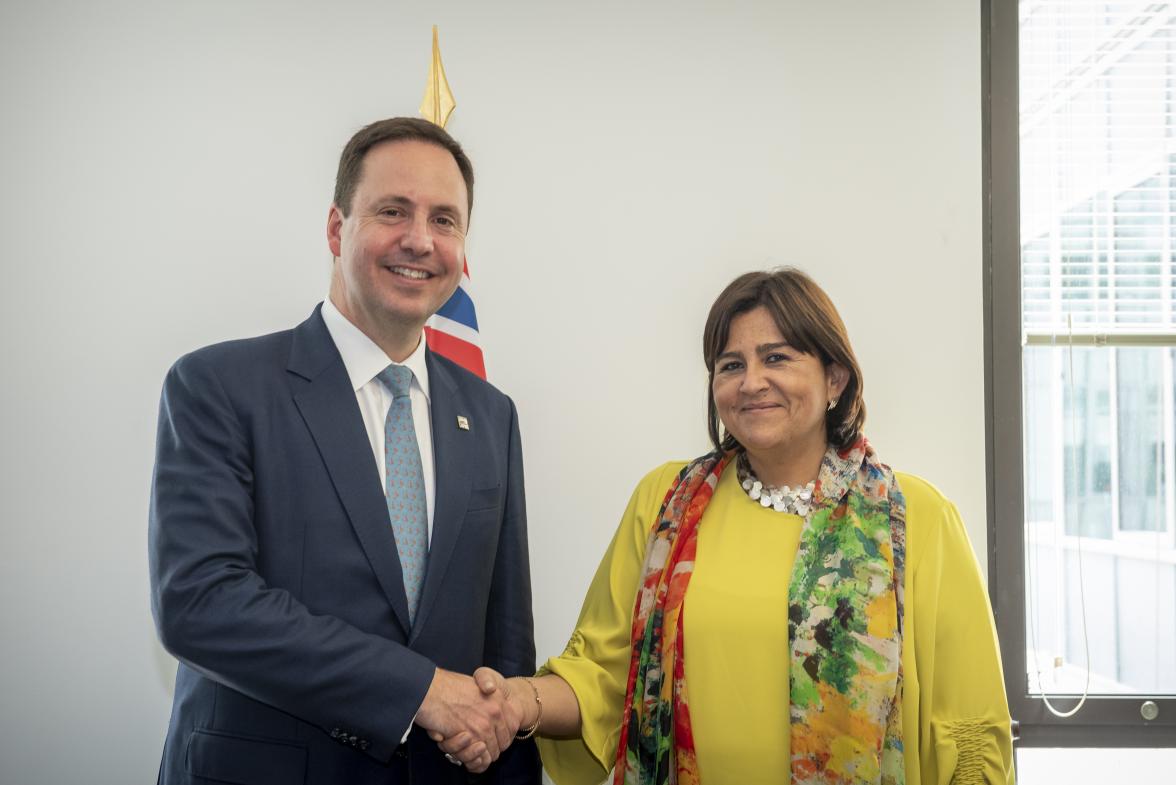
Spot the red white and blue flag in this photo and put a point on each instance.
(452, 332)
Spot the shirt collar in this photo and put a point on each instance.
(362, 358)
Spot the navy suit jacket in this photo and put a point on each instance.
(275, 578)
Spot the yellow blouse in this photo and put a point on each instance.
(955, 716)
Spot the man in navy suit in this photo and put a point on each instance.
(309, 653)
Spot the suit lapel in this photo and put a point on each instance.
(452, 456)
(327, 404)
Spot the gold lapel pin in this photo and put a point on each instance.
(463, 423)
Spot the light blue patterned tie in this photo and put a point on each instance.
(404, 484)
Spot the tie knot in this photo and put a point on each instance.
(397, 379)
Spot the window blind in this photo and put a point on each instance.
(1098, 141)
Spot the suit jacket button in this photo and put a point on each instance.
(351, 740)
(363, 744)
(334, 733)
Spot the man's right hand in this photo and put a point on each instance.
(479, 723)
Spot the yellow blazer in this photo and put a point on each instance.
(955, 716)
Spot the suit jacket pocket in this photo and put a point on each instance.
(484, 499)
(222, 757)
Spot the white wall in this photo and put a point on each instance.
(167, 171)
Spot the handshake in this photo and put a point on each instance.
(474, 719)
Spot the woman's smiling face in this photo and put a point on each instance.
(770, 396)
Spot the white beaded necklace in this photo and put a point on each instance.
(795, 501)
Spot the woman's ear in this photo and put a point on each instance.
(837, 378)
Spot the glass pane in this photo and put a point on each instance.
(1098, 228)
(1098, 121)
(1086, 439)
(1049, 766)
(1141, 439)
(1138, 252)
(1101, 527)
(1040, 436)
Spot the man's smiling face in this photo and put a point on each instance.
(401, 247)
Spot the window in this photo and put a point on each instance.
(1080, 172)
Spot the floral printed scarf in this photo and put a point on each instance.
(845, 610)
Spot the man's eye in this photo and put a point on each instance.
(444, 221)
(391, 212)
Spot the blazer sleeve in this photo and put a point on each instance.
(969, 738)
(215, 612)
(510, 631)
(595, 663)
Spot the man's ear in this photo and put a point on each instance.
(335, 231)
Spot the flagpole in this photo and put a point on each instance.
(452, 332)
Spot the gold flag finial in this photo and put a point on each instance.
(438, 102)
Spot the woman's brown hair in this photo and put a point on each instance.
(809, 322)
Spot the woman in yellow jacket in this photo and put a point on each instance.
(785, 608)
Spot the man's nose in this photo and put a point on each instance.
(418, 237)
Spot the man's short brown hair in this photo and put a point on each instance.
(809, 322)
(395, 129)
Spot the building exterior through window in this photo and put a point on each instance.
(1098, 320)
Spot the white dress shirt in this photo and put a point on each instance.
(364, 360)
